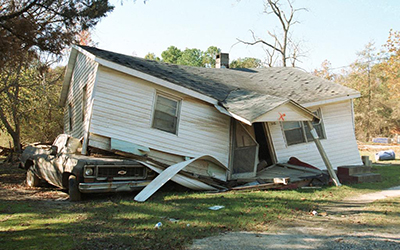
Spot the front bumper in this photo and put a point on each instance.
(117, 186)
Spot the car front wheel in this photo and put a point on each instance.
(31, 178)
(73, 189)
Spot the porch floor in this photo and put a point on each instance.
(284, 170)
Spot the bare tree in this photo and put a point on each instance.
(282, 44)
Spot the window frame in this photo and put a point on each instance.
(306, 135)
(169, 97)
(84, 102)
(70, 117)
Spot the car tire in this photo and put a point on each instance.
(73, 189)
(31, 178)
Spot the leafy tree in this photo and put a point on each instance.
(390, 67)
(325, 71)
(43, 119)
(247, 62)
(191, 57)
(197, 58)
(286, 48)
(171, 55)
(30, 30)
(209, 56)
(152, 56)
(45, 25)
(376, 77)
(364, 78)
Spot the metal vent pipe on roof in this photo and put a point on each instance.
(222, 61)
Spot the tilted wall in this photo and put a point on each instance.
(84, 74)
(340, 143)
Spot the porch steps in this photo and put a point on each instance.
(357, 174)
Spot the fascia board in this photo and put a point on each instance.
(228, 113)
(68, 76)
(328, 101)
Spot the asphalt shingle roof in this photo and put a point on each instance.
(250, 92)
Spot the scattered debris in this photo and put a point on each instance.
(323, 214)
(216, 207)
(385, 155)
(173, 220)
(382, 140)
(158, 225)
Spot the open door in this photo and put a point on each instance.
(245, 152)
(266, 153)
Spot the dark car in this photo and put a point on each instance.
(61, 165)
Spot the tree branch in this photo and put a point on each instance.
(18, 13)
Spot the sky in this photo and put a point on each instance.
(333, 30)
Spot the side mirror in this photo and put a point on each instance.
(54, 150)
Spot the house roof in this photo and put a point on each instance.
(286, 82)
(245, 92)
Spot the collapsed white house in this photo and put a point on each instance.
(246, 119)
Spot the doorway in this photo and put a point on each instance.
(265, 153)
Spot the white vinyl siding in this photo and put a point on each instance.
(340, 143)
(123, 109)
(80, 90)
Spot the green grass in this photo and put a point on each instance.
(118, 222)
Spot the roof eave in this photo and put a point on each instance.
(332, 100)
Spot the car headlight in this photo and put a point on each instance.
(89, 171)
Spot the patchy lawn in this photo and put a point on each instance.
(33, 218)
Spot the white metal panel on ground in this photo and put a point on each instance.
(340, 143)
(84, 74)
(123, 110)
(170, 173)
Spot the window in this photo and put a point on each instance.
(70, 117)
(84, 102)
(299, 132)
(165, 116)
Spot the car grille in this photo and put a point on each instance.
(118, 172)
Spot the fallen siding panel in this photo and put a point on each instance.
(170, 173)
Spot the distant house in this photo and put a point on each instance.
(244, 118)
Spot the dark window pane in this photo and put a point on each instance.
(294, 136)
(291, 125)
(164, 122)
(166, 105)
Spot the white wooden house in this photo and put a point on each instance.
(238, 116)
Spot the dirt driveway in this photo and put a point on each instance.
(339, 227)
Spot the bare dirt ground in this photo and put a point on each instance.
(13, 187)
(339, 227)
